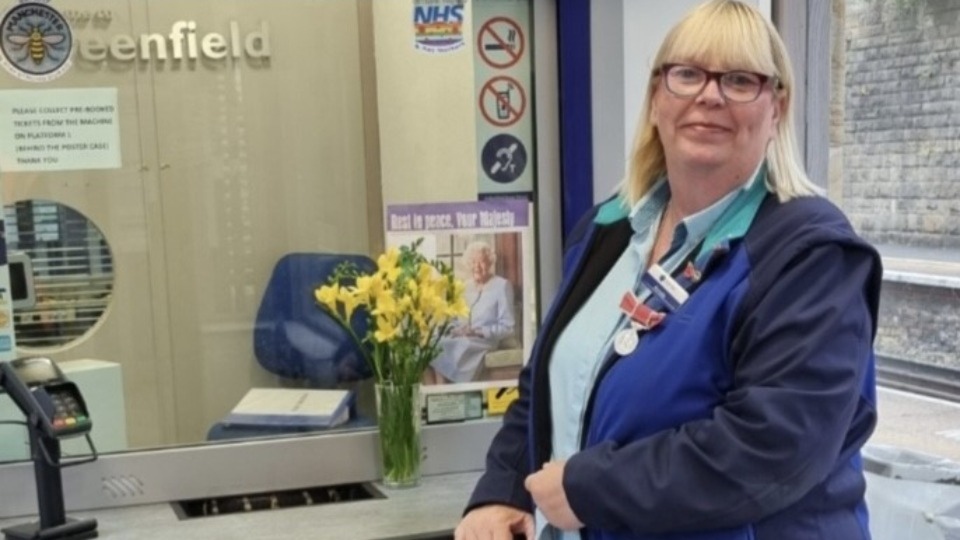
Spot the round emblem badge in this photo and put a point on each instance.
(626, 341)
(35, 42)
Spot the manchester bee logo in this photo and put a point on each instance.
(37, 44)
(35, 41)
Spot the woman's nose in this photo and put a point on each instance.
(711, 93)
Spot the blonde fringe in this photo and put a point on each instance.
(724, 33)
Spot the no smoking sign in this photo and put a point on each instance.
(500, 42)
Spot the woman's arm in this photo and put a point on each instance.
(508, 459)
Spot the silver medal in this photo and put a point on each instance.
(626, 341)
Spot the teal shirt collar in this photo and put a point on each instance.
(651, 204)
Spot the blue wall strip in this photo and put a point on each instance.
(576, 123)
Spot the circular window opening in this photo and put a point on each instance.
(61, 273)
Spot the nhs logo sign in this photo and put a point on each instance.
(438, 25)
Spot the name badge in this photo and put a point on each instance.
(664, 287)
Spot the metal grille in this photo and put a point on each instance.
(72, 271)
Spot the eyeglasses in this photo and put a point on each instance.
(737, 86)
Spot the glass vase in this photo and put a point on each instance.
(398, 417)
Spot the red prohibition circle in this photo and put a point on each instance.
(516, 113)
(488, 28)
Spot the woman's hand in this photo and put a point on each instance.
(466, 331)
(546, 488)
(496, 522)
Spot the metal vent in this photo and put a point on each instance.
(122, 487)
(275, 500)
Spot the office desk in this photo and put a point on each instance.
(429, 511)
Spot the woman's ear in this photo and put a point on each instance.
(654, 116)
(779, 107)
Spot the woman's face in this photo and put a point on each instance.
(480, 268)
(708, 132)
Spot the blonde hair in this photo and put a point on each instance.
(726, 33)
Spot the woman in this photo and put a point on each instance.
(491, 319)
(706, 371)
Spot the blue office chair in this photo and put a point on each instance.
(294, 337)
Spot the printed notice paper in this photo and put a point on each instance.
(59, 129)
(292, 407)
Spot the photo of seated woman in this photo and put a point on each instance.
(491, 325)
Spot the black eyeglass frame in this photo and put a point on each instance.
(716, 76)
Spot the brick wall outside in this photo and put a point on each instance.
(920, 324)
(901, 151)
(895, 151)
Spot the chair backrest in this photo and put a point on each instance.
(294, 337)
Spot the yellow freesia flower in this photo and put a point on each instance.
(384, 302)
(459, 308)
(420, 320)
(428, 298)
(363, 287)
(459, 288)
(388, 260)
(327, 296)
(393, 274)
(406, 304)
(409, 301)
(425, 272)
(386, 330)
(350, 301)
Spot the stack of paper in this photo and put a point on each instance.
(292, 407)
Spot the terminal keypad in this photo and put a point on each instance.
(67, 411)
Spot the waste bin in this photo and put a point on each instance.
(911, 495)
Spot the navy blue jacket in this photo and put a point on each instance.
(741, 416)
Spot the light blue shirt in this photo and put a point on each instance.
(587, 340)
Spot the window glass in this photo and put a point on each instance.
(895, 152)
(189, 146)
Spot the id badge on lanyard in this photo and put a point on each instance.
(667, 295)
(664, 287)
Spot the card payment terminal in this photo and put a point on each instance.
(55, 410)
(51, 402)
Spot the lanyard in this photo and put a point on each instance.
(670, 291)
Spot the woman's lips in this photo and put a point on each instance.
(706, 126)
(706, 131)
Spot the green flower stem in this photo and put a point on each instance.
(399, 421)
(374, 362)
